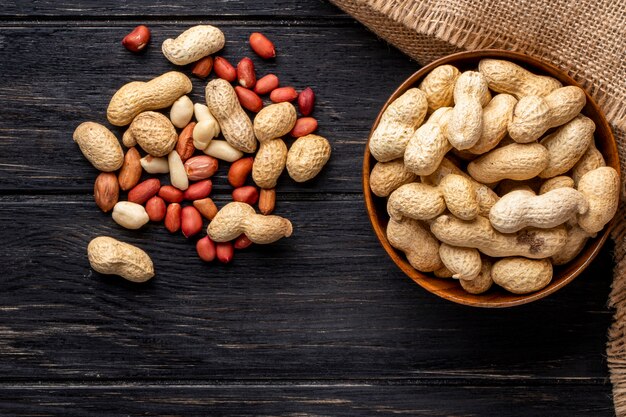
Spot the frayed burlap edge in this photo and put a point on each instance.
(425, 34)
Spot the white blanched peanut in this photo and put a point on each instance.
(428, 145)
(515, 161)
(567, 145)
(386, 177)
(221, 149)
(534, 115)
(507, 77)
(562, 181)
(438, 86)
(482, 283)
(576, 239)
(466, 121)
(178, 175)
(130, 215)
(206, 129)
(519, 209)
(496, 117)
(181, 112)
(153, 165)
(418, 244)
(193, 44)
(521, 275)
(601, 189)
(479, 233)
(591, 160)
(397, 125)
(464, 263)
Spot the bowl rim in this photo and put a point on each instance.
(592, 247)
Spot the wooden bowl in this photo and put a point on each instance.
(448, 288)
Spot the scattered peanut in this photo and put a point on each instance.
(507, 77)
(207, 127)
(234, 122)
(199, 190)
(106, 191)
(173, 217)
(466, 121)
(131, 170)
(206, 207)
(239, 171)
(262, 46)
(154, 165)
(307, 156)
(266, 84)
(269, 163)
(193, 44)
(136, 97)
(143, 191)
(190, 221)
(130, 215)
(200, 167)
(221, 149)
(155, 207)
(245, 73)
(100, 146)
(283, 94)
(138, 39)
(181, 112)
(267, 200)
(185, 143)
(306, 101)
(154, 133)
(206, 249)
(178, 175)
(224, 69)
(237, 218)
(110, 256)
(274, 121)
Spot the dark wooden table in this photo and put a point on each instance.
(322, 323)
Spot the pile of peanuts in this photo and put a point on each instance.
(190, 156)
(492, 176)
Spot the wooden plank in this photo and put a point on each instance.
(49, 87)
(111, 9)
(326, 303)
(305, 400)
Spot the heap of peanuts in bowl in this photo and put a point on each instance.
(159, 116)
(494, 174)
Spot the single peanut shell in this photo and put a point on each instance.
(576, 240)
(386, 177)
(590, 160)
(274, 121)
(479, 233)
(235, 124)
(236, 218)
(438, 86)
(154, 132)
(416, 201)
(465, 263)
(601, 189)
(482, 283)
(269, 163)
(521, 275)
(534, 115)
(519, 209)
(466, 121)
(567, 145)
(397, 125)
(307, 156)
(562, 181)
(418, 244)
(459, 194)
(496, 117)
(193, 44)
(506, 77)
(515, 161)
(136, 97)
(428, 145)
(100, 146)
(110, 256)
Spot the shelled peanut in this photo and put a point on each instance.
(168, 168)
(513, 131)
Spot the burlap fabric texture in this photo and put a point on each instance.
(586, 38)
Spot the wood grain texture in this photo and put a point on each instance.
(340, 309)
(320, 324)
(306, 400)
(42, 112)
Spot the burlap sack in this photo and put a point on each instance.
(586, 38)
